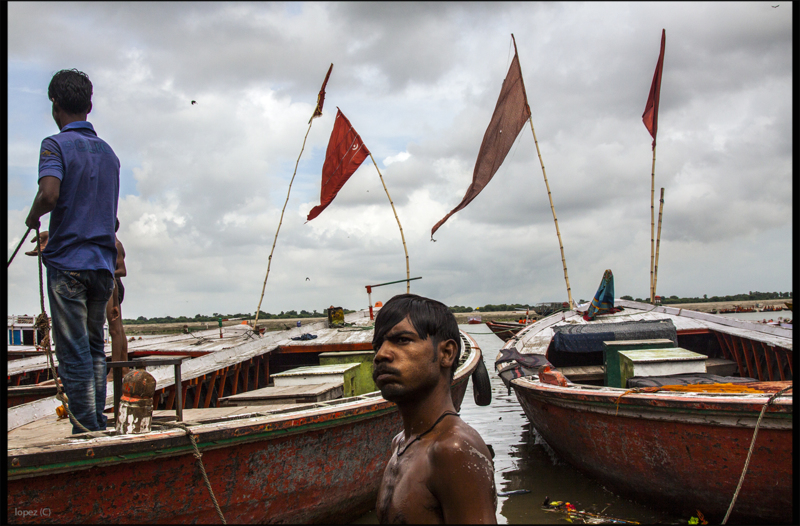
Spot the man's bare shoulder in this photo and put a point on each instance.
(459, 440)
(459, 454)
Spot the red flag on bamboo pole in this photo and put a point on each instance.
(510, 115)
(346, 151)
(321, 96)
(650, 115)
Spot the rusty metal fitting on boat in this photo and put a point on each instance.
(136, 404)
(138, 384)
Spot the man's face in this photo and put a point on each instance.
(405, 366)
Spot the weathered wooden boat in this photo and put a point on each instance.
(318, 461)
(681, 443)
(505, 330)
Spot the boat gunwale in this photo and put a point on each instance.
(695, 400)
(247, 427)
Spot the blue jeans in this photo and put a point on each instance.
(78, 303)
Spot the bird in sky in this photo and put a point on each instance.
(194, 102)
(307, 279)
(773, 7)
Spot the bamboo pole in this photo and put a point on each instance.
(652, 225)
(549, 195)
(275, 241)
(658, 244)
(555, 219)
(408, 273)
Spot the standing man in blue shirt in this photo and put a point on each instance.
(79, 187)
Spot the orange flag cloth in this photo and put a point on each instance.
(321, 96)
(346, 152)
(509, 117)
(650, 115)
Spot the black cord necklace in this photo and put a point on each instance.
(428, 431)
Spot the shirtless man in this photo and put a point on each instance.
(440, 470)
(119, 343)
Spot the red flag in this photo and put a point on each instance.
(650, 115)
(346, 152)
(510, 115)
(321, 96)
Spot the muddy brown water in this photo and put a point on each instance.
(523, 461)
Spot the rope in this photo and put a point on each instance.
(20, 245)
(43, 323)
(636, 390)
(193, 439)
(750, 452)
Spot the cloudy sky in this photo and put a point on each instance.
(202, 186)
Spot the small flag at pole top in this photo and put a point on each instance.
(650, 115)
(321, 96)
(346, 151)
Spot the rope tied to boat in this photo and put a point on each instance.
(194, 439)
(750, 451)
(633, 391)
(43, 323)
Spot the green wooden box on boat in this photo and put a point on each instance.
(611, 355)
(659, 362)
(363, 379)
(318, 374)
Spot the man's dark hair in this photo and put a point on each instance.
(429, 318)
(116, 226)
(72, 90)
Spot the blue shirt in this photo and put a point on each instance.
(82, 223)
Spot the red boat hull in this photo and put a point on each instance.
(322, 466)
(670, 451)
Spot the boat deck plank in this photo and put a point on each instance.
(52, 431)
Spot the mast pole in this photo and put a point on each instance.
(275, 241)
(549, 195)
(652, 225)
(658, 244)
(405, 249)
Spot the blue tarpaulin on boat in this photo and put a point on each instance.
(586, 338)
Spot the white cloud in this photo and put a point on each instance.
(204, 185)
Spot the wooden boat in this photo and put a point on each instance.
(474, 320)
(505, 330)
(683, 448)
(291, 462)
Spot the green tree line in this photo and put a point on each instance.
(750, 296)
(239, 315)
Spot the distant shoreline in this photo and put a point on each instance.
(461, 318)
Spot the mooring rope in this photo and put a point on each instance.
(193, 439)
(43, 323)
(750, 451)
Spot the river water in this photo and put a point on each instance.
(524, 462)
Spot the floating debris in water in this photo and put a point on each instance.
(699, 519)
(572, 513)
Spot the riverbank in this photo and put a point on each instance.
(724, 305)
(461, 318)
